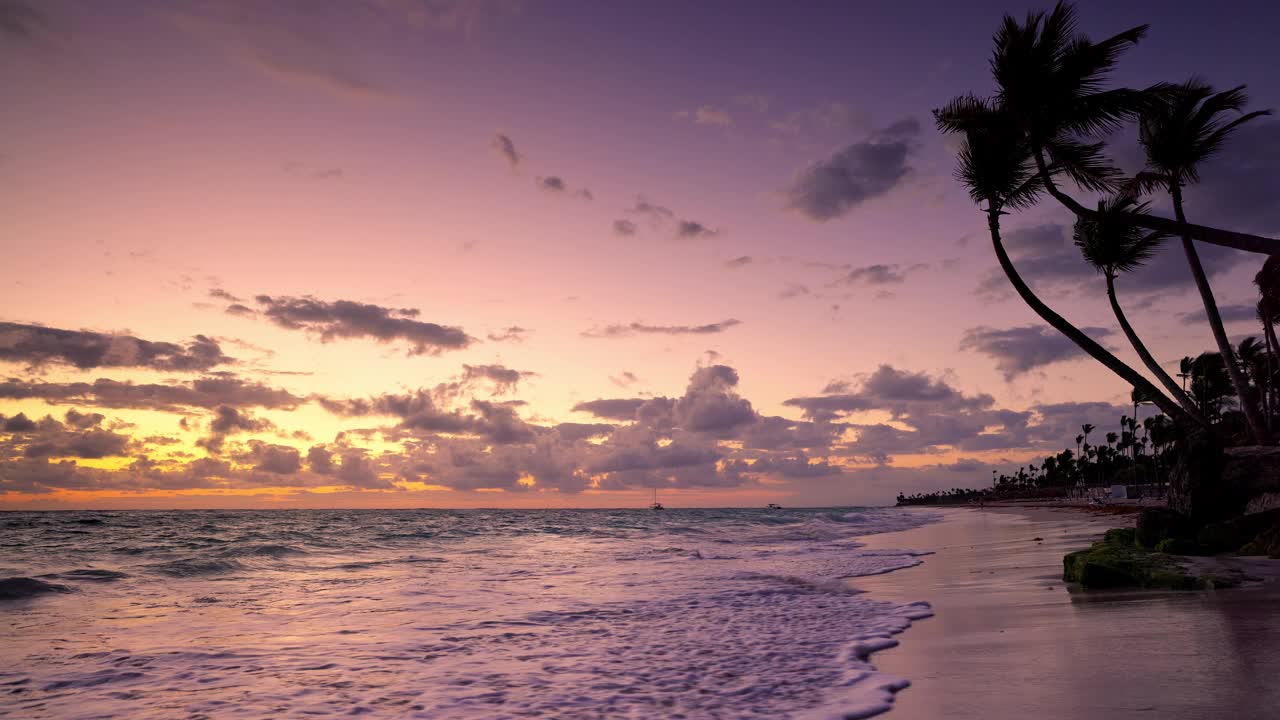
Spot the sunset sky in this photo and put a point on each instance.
(455, 253)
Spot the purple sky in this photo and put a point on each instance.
(440, 230)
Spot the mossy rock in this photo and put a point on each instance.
(1120, 536)
(1179, 546)
(1266, 543)
(1115, 562)
(1155, 525)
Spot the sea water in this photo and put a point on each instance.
(446, 614)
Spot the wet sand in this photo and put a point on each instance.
(1008, 640)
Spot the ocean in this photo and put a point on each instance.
(447, 614)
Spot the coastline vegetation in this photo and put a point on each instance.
(1044, 133)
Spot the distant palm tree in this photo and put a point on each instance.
(1050, 77)
(1268, 282)
(1185, 368)
(1113, 246)
(1184, 129)
(998, 170)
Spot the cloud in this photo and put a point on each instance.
(873, 275)
(859, 172)
(834, 116)
(793, 290)
(354, 320)
(207, 392)
(1239, 312)
(611, 408)
(650, 210)
(20, 19)
(753, 101)
(1236, 185)
(1046, 256)
(690, 229)
(625, 228)
(624, 379)
(738, 262)
(505, 147)
(552, 183)
(1018, 350)
(711, 115)
(36, 345)
(638, 328)
(513, 333)
(503, 379)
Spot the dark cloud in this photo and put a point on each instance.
(650, 210)
(739, 262)
(1237, 187)
(1018, 350)
(347, 319)
(220, 294)
(691, 229)
(637, 328)
(1240, 312)
(228, 420)
(832, 187)
(513, 333)
(506, 148)
(899, 392)
(37, 345)
(552, 183)
(873, 275)
(1045, 255)
(625, 379)
(271, 458)
(20, 19)
(625, 228)
(611, 408)
(208, 393)
(18, 423)
(504, 379)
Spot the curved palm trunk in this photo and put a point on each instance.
(1084, 342)
(1268, 391)
(1213, 236)
(1257, 428)
(1147, 359)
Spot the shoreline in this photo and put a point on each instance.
(1009, 640)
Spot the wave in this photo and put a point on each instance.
(18, 588)
(276, 552)
(195, 567)
(90, 575)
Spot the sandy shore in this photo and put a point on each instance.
(1009, 641)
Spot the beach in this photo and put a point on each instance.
(1009, 640)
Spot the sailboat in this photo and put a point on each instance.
(655, 505)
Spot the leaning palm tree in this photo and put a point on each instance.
(1113, 246)
(1185, 129)
(997, 168)
(1051, 77)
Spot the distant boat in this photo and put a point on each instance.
(774, 506)
(655, 505)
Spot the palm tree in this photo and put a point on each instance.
(1268, 282)
(997, 168)
(1178, 134)
(1113, 246)
(1050, 77)
(1185, 370)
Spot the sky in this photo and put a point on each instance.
(457, 253)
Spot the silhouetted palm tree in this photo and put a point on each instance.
(1050, 77)
(1268, 282)
(1178, 134)
(997, 168)
(1113, 246)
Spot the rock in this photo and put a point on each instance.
(1233, 534)
(1266, 543)
(1115, 562)
(1156, 525)
(1179, 546)
(1209, 484)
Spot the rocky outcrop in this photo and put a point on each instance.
(1155, 525)
(1117, 562)
(1210, 484)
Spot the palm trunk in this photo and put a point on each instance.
(1213, 236)
(1268, 390)
(1150, 361)
(1257, 429)
(1084, 342)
